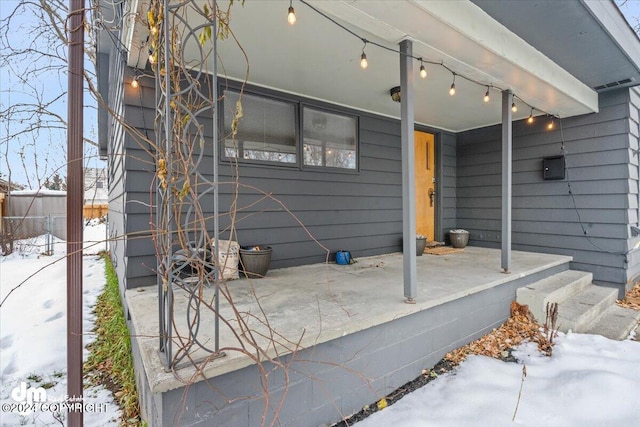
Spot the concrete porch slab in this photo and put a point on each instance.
(308, 305)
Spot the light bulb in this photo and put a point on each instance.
(423, 72)
(550, 125)
(530, 119)
(291, 17)
(363, 61)
(134, 83)
(452, 90)
(486, 96)
(514, 108)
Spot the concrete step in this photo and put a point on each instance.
(556, 288)
(581, 310)
(615, 323)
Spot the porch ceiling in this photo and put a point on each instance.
(317, 59)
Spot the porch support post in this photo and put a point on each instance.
(507, 160)
(408, 175)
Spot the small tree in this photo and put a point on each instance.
(55, 183)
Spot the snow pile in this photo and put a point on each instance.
(589, 380)
(33, 326)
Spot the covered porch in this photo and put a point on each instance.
(326, 336)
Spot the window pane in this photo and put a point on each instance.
(329, 139)
(266, 131)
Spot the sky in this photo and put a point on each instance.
(44, 153)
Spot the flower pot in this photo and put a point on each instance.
(421, 244)
(459, 238)
(255, 260)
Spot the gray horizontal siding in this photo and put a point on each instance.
(448, 186)
(359, 211)
(545, 219)
(633, 268)
(115, 134)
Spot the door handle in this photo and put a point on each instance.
(432, 194)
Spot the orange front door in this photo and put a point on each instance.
(425, 184)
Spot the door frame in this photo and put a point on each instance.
(437, 173)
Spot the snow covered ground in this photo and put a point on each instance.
(588, 381)
(33, 327)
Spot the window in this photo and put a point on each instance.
(287, 132)
(329, 139)
(266, 131)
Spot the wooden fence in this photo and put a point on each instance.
(94, 211)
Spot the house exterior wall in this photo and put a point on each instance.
(602, 176)
(633, 270)
(361, 211)
(116, 173)
(358, 211)
(95, 186)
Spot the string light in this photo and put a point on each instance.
(134, 83)
(486, 95)
(363, 61)
(423, 71)
(530, 119)
(291, 16)
(452, 89)
(514, 107)
(550, 125)
(363, 58)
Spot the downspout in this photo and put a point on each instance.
(75, 186)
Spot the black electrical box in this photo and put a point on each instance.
(553, 167)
